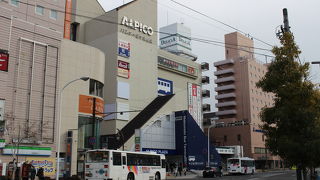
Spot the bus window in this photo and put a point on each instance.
(163, 163)
(116, 158)
(233, 161)
(124, 160)
(95, 156)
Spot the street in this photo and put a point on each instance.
(275, 175)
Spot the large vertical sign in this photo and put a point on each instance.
(124, 49)
(123, 69)
(195, 102)
(4, 61)
(67, 19)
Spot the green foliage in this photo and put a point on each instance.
(292, 125)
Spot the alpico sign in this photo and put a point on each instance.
(137, 25)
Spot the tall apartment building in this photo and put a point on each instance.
(30, 39)
(240, 101)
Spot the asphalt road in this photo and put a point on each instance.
(275, 175)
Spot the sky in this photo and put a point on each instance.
(258, 18)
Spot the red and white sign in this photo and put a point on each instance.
(195, 102)
(123, 69)
(4, 61)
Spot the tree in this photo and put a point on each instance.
(292, 125)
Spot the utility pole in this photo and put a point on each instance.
(285, 27)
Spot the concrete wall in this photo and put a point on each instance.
(77, 60)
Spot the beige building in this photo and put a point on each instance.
(30, 39)
(240, 101)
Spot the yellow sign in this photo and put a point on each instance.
(48, 164)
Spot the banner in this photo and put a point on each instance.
(86, 105)
(48, 164)
(195, 102)
(123, 69)
(123, 49)
(4, 61)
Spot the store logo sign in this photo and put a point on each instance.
(4, 61)
(137, 25)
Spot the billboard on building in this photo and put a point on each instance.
(165, 87)
(123, 69)
(124, 48)
(86, 105)
(67, 19)
(48, 164)
(4, 61)
(195, 102)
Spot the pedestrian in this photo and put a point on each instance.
(40, 173)
(25, 171)
(180, 168)
(184, 169)
(32, 172)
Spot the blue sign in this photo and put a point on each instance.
(123, 49)
(165, 87)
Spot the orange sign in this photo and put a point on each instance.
(86, 105)
(67, 19)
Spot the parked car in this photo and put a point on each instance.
(212, 172)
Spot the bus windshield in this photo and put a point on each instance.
(233, 161)
(97, 156)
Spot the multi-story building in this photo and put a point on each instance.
(30, 39)
(239, 101)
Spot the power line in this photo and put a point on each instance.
(207, 41)
(219, 21)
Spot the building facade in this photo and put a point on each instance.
(240, 101)
(30, 39)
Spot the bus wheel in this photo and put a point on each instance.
(130, 176)
(157, 176)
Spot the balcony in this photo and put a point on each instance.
(205, 93)
(225, 79)
(223, 88)
(226, 104)
(205, 80)
(204, 66)
(225, 71)
(224, 62)
(223, 96)
(226, 112)
(206, 107)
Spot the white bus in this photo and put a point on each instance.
(243, 165)
(108, 164)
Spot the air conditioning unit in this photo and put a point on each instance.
(206, 107)
(205, 93)
(205, 79)
(204, 66)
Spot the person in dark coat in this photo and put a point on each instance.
(40, 173)
(32, 172)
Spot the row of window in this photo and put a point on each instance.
(258, 150)
(253, 67)
(38, 9)
(225, 138)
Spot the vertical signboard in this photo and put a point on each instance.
(2, 109)
(4, 61)
(124, 48)
(67, 19)
(123, 69)
(194, 102)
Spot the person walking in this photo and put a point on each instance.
(180, 168)
(40, 173)
(32, 172)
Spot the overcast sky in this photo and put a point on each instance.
(259, 18)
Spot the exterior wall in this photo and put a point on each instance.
(77, 60)
(248, 98)
(86, 10)
(30, 86)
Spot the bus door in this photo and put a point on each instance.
(117, 169)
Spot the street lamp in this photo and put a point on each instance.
(59, 124)
(213, 125)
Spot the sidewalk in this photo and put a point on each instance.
(189, 175)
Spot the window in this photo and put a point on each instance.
(124, 160)
(262, 137)
(97, 156)
(39, 10)
(142, 160)
(14, 3)
(53, 14)
(116, 158)
(239, 137)
(225, 138)
(163, 163)
(96, 88)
